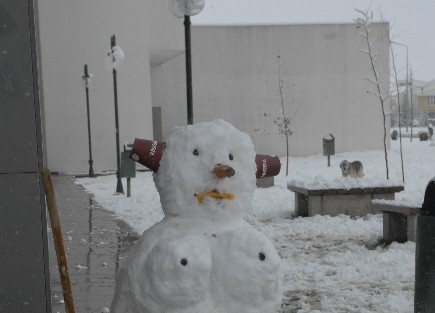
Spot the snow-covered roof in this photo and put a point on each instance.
(421, 88)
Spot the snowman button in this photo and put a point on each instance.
(183, 261)
(262, 256)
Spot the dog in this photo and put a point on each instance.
(352, 169)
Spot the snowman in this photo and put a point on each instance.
(203, 257)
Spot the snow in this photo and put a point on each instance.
(323, 182)
(203, 256)
(329, 264)
(203, 146)
(115, 57)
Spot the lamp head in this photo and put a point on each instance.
(180, 8)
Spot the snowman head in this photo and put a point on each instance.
(207, 170)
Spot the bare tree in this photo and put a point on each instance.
(283, 121)
(396, 82)
(364, 23)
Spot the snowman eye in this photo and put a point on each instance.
(230, 156)
(195, 152)
(262, 256)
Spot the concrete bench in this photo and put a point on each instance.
(335, 201)
(399, 221)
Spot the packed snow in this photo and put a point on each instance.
(115, 57)
(203, 256)
(330, 264)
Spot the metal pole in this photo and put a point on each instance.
(188, 70)
(406, 84)
(407, 94)
(119, 188)
(91, 162)
(412, 106)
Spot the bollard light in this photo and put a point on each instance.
(187, 8)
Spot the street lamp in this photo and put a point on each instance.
(87, 80)
(116, 55)
(407, 78)
(187, 8)
(412, 105)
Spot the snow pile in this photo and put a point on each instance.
(322, 182)
(329, 264)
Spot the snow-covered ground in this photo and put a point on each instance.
(330, 264)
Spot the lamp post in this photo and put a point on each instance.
(116, 56)
(412, 104)
(87, 80)
(407, 79)
(187, 8)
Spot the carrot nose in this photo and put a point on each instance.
(222, 171)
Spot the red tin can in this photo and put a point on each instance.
(149, 153)
(267, 165)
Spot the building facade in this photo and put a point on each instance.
(325, 84)
(74, 33)
(425, 99)
(417, 103)
(236, 75)
(24, 268)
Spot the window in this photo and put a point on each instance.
(431, 100)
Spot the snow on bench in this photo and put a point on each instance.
(342, 195)
(399, 220)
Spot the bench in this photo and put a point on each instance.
(335, 201)
(399, 221)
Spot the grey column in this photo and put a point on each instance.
(24, 274)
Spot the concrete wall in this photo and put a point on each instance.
(24, 268)
(73, 33)
(235, 77)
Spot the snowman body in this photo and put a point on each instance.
(202, 257)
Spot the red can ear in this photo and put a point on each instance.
(148, 153)
(267, 165)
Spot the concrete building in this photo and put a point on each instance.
(24, 270)
(76, 33)
(425, 102)
(44, 46)
(235, 77)
(417, 103)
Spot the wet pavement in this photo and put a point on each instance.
(95, 242)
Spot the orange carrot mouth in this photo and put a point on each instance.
(215, 195)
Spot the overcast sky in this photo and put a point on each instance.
(412, 22)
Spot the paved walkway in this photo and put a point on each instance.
(94, 243)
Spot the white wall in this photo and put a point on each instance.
(235, 77)
(73, 33)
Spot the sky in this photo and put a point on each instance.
(330, 264)
(411, 22)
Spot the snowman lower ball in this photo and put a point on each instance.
(203, 257)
